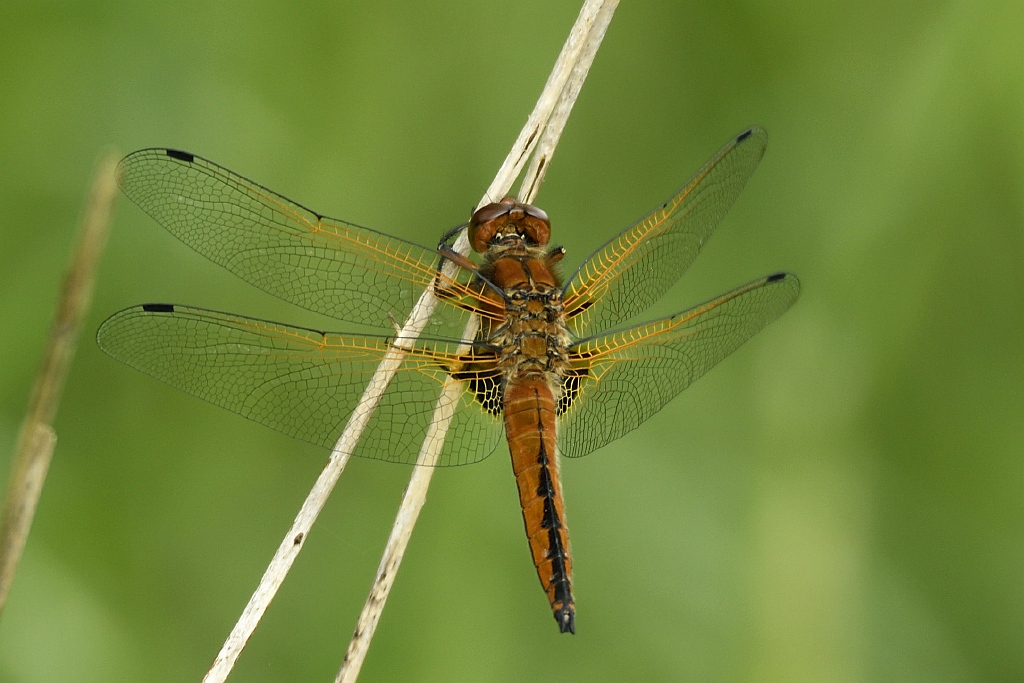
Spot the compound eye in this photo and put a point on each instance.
(489, 212)
(536, 212)
(536, 224)
(485, 222)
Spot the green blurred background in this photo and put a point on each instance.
(841, 500)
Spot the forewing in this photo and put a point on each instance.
(303, 382)
(323, 264)
(635, 268)
(624, 377)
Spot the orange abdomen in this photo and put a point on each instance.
(530, 428)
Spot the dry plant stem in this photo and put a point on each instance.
(317, 498)
(564, 83)
(36, 439)
(556, 124)
(546, 103)
(408, 512)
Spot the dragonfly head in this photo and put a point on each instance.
(508, 221)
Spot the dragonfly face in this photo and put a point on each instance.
(550, 356)
(508, 220)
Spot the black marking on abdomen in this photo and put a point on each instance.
(550, 519)
(545, 487)
(565, 615)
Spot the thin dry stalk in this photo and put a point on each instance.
(556, 124)
(36, 439)
(289, 548)
(548, 120)
(416, 491)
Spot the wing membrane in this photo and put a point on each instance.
(634, 269)
(323, 264)
(633, 373)
(303, 382)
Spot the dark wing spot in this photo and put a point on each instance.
(181, 156)
(744, 135)
(488, 390)
(487, 384)
(775, 277)
(158, 308)
(571, 384)
(584, 305)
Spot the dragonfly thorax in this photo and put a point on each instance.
(533, 338)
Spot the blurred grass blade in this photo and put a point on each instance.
(36, 439)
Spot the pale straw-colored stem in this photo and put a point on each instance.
(289, 548)
(405, 521)
(551, 112)
(568, 58)
(36, 439)
(415, 494)
(556, 124)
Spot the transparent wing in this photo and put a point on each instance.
(307, 383)
(322, 264)
(626, 376)
(635, 268)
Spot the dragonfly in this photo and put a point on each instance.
(555, 365)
